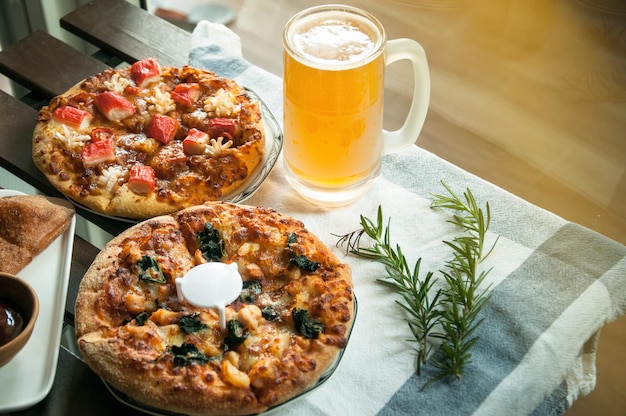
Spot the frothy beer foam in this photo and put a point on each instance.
(335, 39)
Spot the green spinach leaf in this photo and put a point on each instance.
(304, 325)
(150, 271)
(210, 243)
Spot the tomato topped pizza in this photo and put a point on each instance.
(148, 140)
(290, 321)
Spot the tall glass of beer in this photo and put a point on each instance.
(334, 70)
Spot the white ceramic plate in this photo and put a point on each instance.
(28, 377)
(273, 146)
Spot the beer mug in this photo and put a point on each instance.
(334, 70)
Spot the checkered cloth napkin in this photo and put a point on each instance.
(554, 284)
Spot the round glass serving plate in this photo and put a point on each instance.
(273, 146)
(325, 376)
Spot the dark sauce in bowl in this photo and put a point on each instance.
(11, 321)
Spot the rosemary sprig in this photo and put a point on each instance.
(450, 314)
(422, 311)
(463, 299)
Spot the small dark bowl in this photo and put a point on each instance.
(19, 294)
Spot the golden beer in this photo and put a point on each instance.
(334, 69)
(333, 102)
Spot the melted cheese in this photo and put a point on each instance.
(222, 104)
(279, 344)
(217, 147)
(117, 83)
(110, 177)
(160, 101)
(71, 139)
(171, 334)
(263, 372)
(248, 249)
(199, 115)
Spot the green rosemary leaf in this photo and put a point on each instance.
(450, 314)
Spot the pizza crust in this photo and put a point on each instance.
(126, 203)
(276, 361)
(185, 393)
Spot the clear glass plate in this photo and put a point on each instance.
(273, 146)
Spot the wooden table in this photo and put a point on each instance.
(530, 97)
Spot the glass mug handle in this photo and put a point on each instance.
(396, 50)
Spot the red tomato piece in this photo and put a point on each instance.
(195, 142)
(186, 93)
(102, 133)
(72, 117)
(142, 179)
(145, 72)
(98, 152)
(132, 90)
(226, 127)
(113, 105)
(162, 128)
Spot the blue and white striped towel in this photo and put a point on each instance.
(554, 284)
